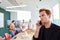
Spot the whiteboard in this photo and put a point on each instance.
(1, 20)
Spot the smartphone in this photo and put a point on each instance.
(40, 23)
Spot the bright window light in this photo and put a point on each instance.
(26, 15)
(1, 20)
(56, 11)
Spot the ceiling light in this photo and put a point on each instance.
(16, 6)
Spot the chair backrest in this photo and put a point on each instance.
(7, 36)
(1, 38)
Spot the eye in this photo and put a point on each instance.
(43, 15)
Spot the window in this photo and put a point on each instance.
(26, 15)
(56, 18)
(1, 20)
(56, 11)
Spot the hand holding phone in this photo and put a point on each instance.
(38, 24)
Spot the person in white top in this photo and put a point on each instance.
(30, 25)
(23, 25)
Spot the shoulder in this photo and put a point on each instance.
(56, 27)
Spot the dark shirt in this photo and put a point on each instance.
(52, 33)
(46, 33)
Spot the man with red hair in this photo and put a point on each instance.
(47, 30)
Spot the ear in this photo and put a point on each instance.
(49, 16)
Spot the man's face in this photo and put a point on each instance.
(44, 17)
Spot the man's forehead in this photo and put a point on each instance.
(42, 12)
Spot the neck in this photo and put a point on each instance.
(47, 24)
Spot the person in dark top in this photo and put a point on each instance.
(45, 29)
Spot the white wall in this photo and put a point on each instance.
(34, 16)
(59, 8)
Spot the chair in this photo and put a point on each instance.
(7, 36)
(1, 38)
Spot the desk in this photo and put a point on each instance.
(26, 35)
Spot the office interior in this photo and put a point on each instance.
(19, 10)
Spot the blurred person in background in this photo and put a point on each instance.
(23, 25)
(12, 28)
(30, 25)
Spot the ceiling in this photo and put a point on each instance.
(31, 4)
